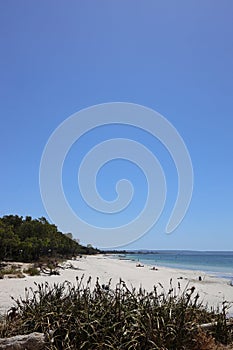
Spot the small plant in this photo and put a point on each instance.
(32, 271)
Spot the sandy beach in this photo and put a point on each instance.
(212, 290)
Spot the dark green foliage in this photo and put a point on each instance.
(30, 239)
(87, 317)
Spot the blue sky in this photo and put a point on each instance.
(175, 57)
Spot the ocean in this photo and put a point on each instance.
(216, 263)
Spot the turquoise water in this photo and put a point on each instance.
(216, 263)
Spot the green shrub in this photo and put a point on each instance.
(32, 271)
(13, 270)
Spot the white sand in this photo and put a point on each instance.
(212, 290)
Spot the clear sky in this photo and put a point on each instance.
(176, 57)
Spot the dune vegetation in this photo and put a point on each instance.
(94, 316)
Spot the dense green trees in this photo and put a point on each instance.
(30, 239)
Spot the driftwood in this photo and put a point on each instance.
(49, 272)
(67, 266)
(32, 341)
(213, 324)
(54, 271)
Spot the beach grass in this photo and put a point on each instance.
(87, 316)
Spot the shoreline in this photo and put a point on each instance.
(214, 274)
(215, 271)
(212, 290)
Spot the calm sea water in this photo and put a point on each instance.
(216, 263)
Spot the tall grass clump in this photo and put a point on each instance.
(98, 317)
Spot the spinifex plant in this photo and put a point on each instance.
(101, 317)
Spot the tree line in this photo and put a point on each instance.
(27, 239)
